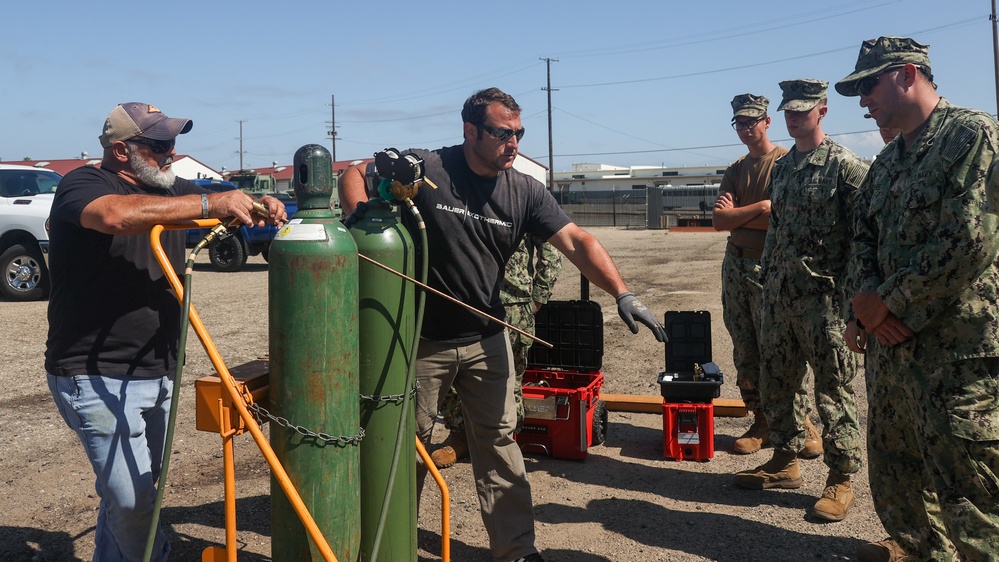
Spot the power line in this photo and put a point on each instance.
(725, 34)
(758, 64)
(705, 147)
(468, 82)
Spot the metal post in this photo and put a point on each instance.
(333, 125)
(995, 51)
(241, 144)
(614, 206)
(551, 157)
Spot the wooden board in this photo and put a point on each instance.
(723, 407)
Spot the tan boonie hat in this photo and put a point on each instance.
(134, 119)
(749, 105)
(802, 95)
(878, 55)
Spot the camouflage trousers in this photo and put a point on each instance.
(933, 452)
(796, 336)
(741, 298)
(521, 316)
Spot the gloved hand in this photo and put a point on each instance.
(357, 215)
(631, 309)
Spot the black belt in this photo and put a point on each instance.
(747, 253)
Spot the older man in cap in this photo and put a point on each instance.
(743, 209)
(802, 269)
(925, 285)
(114, 322)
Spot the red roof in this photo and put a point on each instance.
(279, 172)
(63, 167)
(288, 172)
(341, 166)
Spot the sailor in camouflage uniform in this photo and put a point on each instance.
(924, 272)
(802, 269)
(528, 281)
(743, 209)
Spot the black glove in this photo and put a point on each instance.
(356, 216)
(631, 309)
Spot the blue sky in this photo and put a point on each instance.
(637, 82)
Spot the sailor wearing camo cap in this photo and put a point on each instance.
(803, 269)
(925, 308)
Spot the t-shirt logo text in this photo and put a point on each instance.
(476, 216)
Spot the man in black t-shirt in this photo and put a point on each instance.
(114, 322)
(475, 219)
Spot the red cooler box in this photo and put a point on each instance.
(564, 414)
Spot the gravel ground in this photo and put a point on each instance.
(623, 502)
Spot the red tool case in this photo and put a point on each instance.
(688, 386)
(564, 414)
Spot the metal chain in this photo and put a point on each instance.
(394, 398)
(260, 411)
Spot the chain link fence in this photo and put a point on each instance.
(652, 208)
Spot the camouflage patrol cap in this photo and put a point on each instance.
(802, 95)
(749, 105)
(878, 55)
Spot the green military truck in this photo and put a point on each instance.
(253, 183)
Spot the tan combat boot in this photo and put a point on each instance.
(813, 441)
(755, 437)
(882, 551)
(836, 498)
(455, 448)
(779, 472)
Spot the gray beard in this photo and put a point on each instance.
(150, 175)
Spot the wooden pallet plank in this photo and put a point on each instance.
(723, 407)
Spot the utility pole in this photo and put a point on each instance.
(331, 132)
(995, 51)
(551, 157)
(241, 121)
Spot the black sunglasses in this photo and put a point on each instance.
(867, 84)
(503, 134)
(155, 146)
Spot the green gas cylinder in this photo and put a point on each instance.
(387, 340)
(315, 429)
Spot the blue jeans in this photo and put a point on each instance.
(121, 422)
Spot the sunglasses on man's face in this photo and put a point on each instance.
(156, 146)
(866, 85)
(503, 134)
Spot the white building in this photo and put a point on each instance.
(688, 187)
(527, 165)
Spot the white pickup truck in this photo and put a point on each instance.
(26, 195)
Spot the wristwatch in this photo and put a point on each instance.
(204, 205)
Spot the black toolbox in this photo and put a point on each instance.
(576, 329)
(563, 412)
(690, 375)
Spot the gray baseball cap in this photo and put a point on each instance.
(134, 119)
